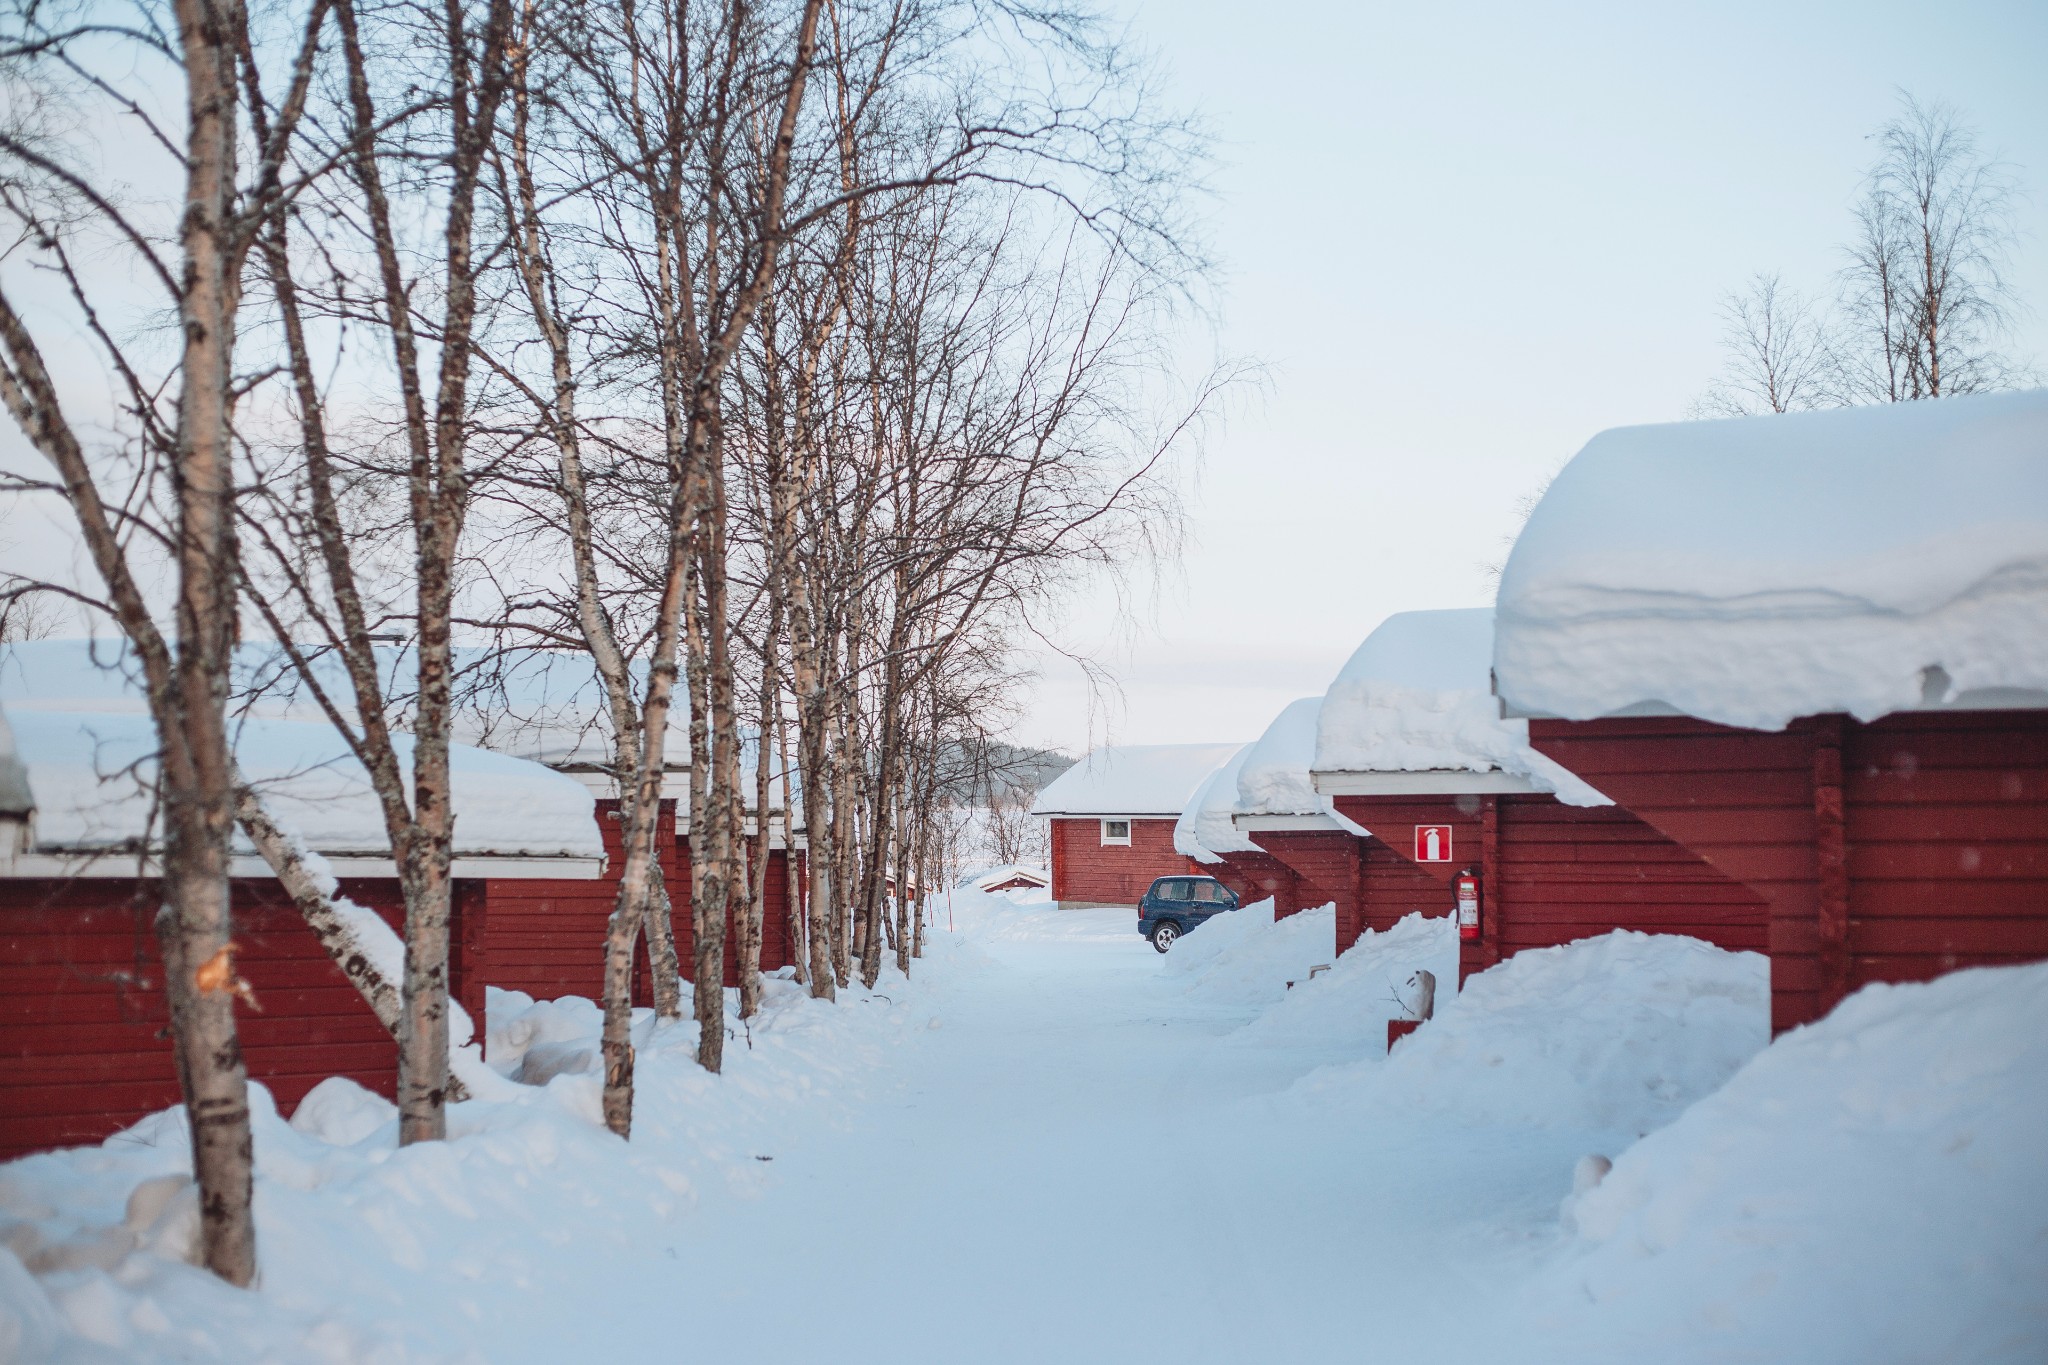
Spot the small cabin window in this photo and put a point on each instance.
(1116, 832)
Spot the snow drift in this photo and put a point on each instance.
(1247, 957)
(1345, 1010)
(1870, 1188)
(1748, 571)
(1617, 1033)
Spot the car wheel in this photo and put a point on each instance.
(1164, 933)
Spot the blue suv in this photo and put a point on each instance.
(1176, 905)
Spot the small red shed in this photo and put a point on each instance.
(1112, 817)
(1811, 649)
(1410, 745)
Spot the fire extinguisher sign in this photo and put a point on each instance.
(1432, 843)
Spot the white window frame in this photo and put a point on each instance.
(1112, 841)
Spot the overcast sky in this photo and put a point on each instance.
(1463, 238)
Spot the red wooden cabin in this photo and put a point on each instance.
(83, 1049)
(1847, 715)
(1112, 817)
(1411, 748)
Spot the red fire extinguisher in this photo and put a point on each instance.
(1468, 906)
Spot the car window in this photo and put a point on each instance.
(1212, 892)
(1171, 889)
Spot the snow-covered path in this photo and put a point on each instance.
(1053, 1145)
(1074, 1164)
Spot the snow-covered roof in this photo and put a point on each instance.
(1010, 872)
(1749, 571)
(1416, 698)
(1132, 779)
(1274, 777)
(1204, 831)
(548, 706)
(92, 775)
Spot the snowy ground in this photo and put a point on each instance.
(1056, 1146)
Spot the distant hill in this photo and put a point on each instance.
(984, 769)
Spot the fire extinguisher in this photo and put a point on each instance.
(1468, 906)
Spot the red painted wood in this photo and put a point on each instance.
(1943, 831)
(1086, 871)
(81, 997)
(1255, 876)
(546, 938)
(1325, 864)
(1556, 873)
(82, 1048)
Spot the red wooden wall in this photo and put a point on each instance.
(81, 999)
(1255, 876)
(1084, 870)
(82, 1049)
(547, 937)
(1372, 887)
(1551, 873)
(1892, 851)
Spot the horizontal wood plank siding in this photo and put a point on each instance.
(1946, 821)
(1255, 875)
(1086, 871)
(1563, 873)
(83, 1052)
(1326, 867)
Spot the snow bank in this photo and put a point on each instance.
(1753, 570)
(1132, 779)
(1870, 1188)
(92, 774)
(1345, 1010)
(1615, 1033)
(1417, 696)
(1204, 831)
(1247, 957)
(369, 1252)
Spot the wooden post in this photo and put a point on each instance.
(1491, 892)
(1831, 861)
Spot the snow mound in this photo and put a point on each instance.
(1345, 1010)
(342, 1113)
(1247, 957)
(1132, 779)
(1417, 696)
(1616, 1033)
(435, 1251)
(1862, 560)
(1871, 1187)
(1204, 831)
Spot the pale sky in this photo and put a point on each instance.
(1463, 238)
